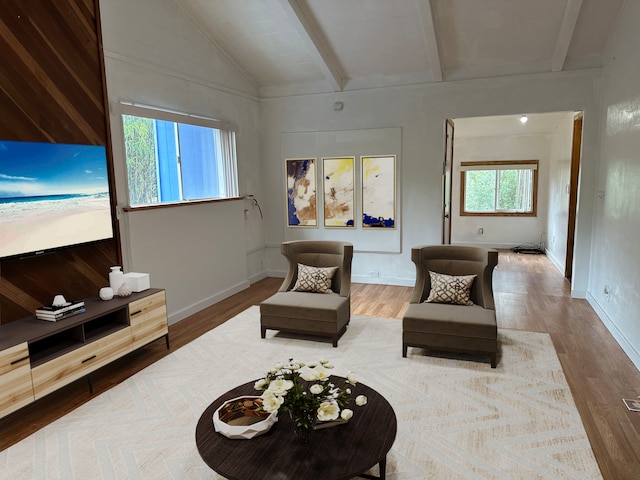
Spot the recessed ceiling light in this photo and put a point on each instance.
(523, 119)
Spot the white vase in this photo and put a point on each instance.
(116, 278)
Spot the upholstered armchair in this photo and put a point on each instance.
(454, 312)
(314, 266)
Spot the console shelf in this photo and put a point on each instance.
(105, 325)
(37, 357)
(52, 346)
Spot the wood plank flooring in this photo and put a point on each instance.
(530, 295)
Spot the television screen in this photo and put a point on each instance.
(52, 195)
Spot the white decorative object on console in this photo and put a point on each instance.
(137, 281)
(59, 301)
(106, 293)
(116, 278)
(124, 290)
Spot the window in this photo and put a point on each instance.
(507, 188)
(173, 158)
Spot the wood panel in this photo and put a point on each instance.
(52, 89)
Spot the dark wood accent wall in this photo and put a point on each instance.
(52, 89)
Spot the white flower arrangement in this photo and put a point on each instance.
(307, 392)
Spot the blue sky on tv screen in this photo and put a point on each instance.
(41, 169)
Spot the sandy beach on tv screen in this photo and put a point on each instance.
(53, 229)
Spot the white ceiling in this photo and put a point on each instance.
(286, 46)
(506, 125)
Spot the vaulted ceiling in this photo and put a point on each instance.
(289, 46)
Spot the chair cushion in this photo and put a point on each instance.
(311, 306)
(450, 289)
(458, 320)
(314, 279)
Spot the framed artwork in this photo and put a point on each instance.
(338, 190)
(301, 192)
(378, 191)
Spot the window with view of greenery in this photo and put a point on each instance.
(507, 188)
(173, 158)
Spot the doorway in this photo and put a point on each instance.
(553, 138)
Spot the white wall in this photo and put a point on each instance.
(200, 253)
(559, 181)
(420, 110)
(500, 232)
(615, 260)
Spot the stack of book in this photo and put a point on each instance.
(53, 314)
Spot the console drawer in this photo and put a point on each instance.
(148, 319)
(16, 389)
(79, 362)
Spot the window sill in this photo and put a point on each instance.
(498, 214)
(180, 204)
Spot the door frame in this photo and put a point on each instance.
(447, 180)
(576, 150)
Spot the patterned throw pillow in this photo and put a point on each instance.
(314, 279)
(450, 289)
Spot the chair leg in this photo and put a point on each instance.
(404, 350)
(263, 332)
(493, 360)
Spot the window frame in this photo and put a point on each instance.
(155, 113)
(500, 165)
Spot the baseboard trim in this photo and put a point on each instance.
(554, 260)
(383, 280)
(257, 277)
(623, 341)
(207, 302)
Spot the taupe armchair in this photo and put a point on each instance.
(452, 327)
(305, 312)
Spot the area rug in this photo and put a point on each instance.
(457, 418)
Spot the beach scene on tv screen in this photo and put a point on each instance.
(52, 195)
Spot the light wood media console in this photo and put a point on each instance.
(38, 357)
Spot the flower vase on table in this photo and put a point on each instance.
(307, 392)
(303, 422)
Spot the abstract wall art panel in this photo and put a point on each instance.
(338, 183)
(378, 191)
(301, 192)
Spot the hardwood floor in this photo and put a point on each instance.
(530, 295)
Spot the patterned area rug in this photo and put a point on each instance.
(457, 418)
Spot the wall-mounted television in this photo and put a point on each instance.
(52, 195)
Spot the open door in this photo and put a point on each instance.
(447, 177)
(576, 149)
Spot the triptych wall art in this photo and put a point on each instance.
(378, 192)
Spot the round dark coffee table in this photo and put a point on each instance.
(335, 453)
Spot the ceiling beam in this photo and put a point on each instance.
(431, 40)
(567, 27)
(310, 33)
